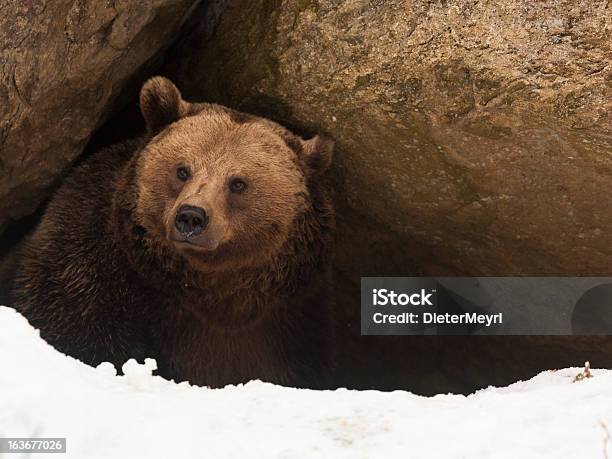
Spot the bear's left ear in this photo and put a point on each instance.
(161, 104)
(317, 153)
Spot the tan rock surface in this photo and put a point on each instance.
(63, 64)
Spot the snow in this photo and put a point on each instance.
(43, 393)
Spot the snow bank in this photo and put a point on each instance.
(46, 394)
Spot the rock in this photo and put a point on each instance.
(63, 65)
(472, 138)
(482, 131)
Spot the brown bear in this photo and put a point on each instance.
(204, 244)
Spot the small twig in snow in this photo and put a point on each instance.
(584, 374)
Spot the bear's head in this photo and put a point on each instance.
(219, 185)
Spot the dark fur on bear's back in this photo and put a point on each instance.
(101, 287)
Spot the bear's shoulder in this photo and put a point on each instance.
(93, 177)
(76, 225)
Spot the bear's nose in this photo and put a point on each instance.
(190, 220)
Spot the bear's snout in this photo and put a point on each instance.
(190, 220)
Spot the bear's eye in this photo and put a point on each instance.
(182, 173)
(237, 186)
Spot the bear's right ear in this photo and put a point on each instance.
(161, 104)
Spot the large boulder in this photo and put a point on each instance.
(482, 130)
(63, 65)
(473, 138)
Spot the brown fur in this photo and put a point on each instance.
(104, 280)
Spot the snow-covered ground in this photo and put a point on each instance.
(46, 394)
